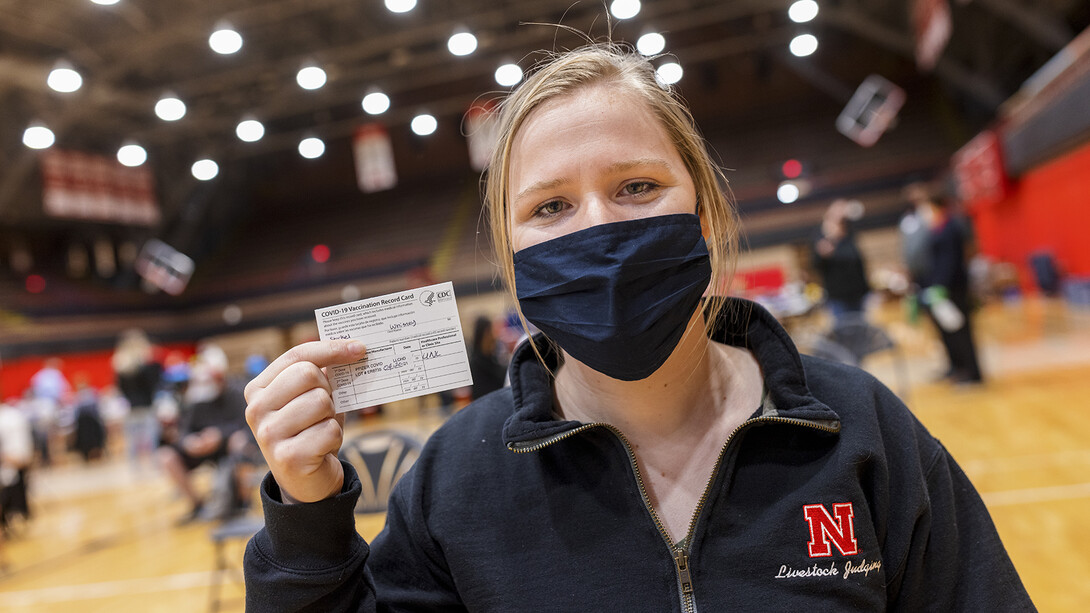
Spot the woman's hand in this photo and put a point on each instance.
(290, 410)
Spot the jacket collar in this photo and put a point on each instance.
(742, 324)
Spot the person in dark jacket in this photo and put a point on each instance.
(946, 290)
(138, 377)
(212, 420)
(656, 450)
(485, 368)
(838, 260)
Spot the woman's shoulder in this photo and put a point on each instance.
(867, 408)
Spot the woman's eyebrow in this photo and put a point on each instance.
(616, 167)
(541, 186)
(638, 163)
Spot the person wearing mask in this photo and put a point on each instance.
(656, 450)
(838, 260)
(212, 413)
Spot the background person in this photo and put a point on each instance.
(654, 452)
(212, 413)
(484, 365)
(138, 378)
(838, 260)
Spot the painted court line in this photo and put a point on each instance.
(1036, 494)
(107, 589)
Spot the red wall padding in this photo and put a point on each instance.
(1048, 209)
(93, 367)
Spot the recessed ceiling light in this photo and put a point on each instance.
(132, 155)
(311, 148)
(376, 103)
(400, 6)
(669, 73)
(225, 41)
(205, 170)
(508, 75)
(651, 43)
(250, 130)
(803, 11)
(462, 43)
(423, 124)
(803, 45)
(38, 137)
(787, 192)
(310, 77)
(625, 9)
(170, 108)
(64, 79)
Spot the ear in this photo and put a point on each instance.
(705, 227)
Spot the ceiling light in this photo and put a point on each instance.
(423, 124)
(38, 137)
(132, 155)
(106, 2)
(803, 11)
(311, 148)
(669, 73)
(400, 6)
(462, 43)
(508, 75)
(310, 77)
(250, 130)
(787, 192)
(64, 79)
(170, 108)
(651, 43)
(803, 45)
(225, 41)
(376, 103)
(205, 170)
(625, 9)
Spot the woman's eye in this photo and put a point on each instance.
(637, 188)
(550, 208)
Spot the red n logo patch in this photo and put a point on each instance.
(824, 528)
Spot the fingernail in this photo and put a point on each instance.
(357, 347)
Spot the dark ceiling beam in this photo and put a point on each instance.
(978, 87)
(1040, 24)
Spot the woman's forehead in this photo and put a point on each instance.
(599, 119)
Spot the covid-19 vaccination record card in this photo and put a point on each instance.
(414, 346)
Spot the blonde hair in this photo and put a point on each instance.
(563, 74)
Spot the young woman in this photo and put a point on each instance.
(655, 451)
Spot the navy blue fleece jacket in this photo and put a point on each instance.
(831, 497)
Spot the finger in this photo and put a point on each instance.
(319, 353)
(295, 380)
(309, 447)
(304, 411)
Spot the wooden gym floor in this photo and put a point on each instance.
(103, 537)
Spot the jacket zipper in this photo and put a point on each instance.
(680, 553)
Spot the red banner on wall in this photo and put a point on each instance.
(92, 187)
(933, 25)
(978, 167)
(375, 170)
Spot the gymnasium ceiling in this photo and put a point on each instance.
(739, 79)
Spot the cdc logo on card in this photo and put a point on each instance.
(430, 298)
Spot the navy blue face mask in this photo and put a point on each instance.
(617, 296)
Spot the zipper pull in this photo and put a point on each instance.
(682, 562)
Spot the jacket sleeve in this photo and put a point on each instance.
(409, 567)
(309, 557)
(955, 561)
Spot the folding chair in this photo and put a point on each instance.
(381, 458)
